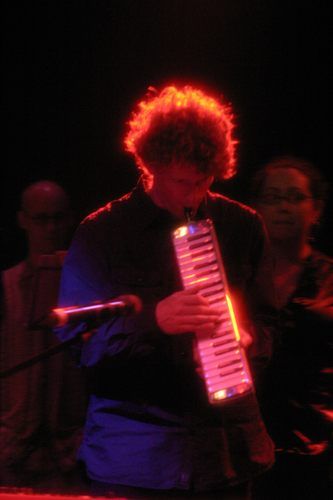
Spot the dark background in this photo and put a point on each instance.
(73, 70)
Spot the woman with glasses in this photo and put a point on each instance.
(297, 396)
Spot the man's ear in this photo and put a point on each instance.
(71, 217)
(319, 207)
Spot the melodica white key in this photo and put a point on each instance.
(224, 364)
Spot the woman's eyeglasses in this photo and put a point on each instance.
(275, 198)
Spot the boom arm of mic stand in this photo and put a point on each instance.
(41, 356)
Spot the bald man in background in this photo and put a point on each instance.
(46, 218)
(41, 407)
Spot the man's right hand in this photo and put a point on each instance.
(187, 311)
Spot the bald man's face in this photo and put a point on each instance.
(46, 219)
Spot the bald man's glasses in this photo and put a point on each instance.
(44, 219)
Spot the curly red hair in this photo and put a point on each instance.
(183, 125)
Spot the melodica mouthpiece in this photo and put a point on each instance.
(188, 212)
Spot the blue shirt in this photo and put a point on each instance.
(149, 423)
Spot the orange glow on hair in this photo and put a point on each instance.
(183, 125)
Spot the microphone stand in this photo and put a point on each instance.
(39, 357)
(51, 350)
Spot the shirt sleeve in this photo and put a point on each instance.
(85, 280)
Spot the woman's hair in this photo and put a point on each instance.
(317, 183)
(182, 125)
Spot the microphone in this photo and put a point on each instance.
(94, 313)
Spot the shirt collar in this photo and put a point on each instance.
(150, 213)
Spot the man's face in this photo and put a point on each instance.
(46, 220)
(179, 186)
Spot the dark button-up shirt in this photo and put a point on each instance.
(149, 423)
(298, 389)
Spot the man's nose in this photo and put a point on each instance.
(284, 204)
(51, 225)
